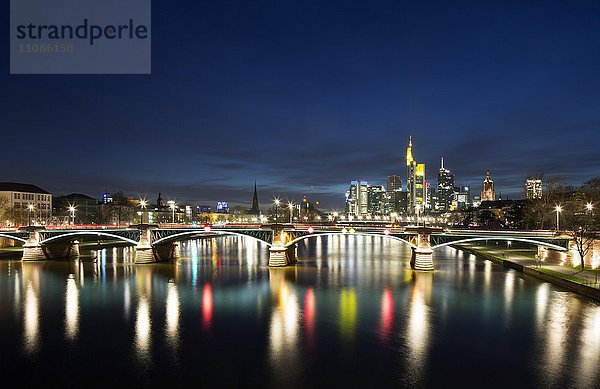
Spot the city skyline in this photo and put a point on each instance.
(304, 99)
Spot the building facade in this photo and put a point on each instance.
(415, 182)
(445, 189)
(487, 189)
(533, 188)
(24, 204)
(357, 198)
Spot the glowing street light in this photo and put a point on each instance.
(143, 204)
(172, 205)
(291, 207)
(277, 201)
(72, 211)
(30, 207)
(558, 210)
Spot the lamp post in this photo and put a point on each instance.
(291, 207)
(31, 207)
(172, 205)
(558, 210)
(590, 207)
(143, 204)
(72, 211)
(276, 213)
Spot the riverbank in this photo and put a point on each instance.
(582, 282)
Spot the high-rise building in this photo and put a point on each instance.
(487, 190)
(533, 188)
(376, 199)
(445, 188)
(415, 181)
(393, 188)
(420, 193)
(357, 198)
(461, 198)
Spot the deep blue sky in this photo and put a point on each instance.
(304, 96)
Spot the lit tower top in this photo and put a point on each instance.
(487, 189)
(409, 157)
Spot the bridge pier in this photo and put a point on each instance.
(422, 254)
(167, 252)
(32, 249)
(282, 256)
(421, 259)
(144, 253)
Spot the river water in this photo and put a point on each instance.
(351, 313)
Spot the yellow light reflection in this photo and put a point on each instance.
(556, 333)
(284, 332)
(418, 326)
(71, 309)
(172, 315)
(31, 319)
(348, 317)
(143, 328)
(590, 348)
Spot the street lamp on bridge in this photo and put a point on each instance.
(291, 207)
(143, 204)
(277, 201)
(30, 207)
(172, 205)
(72, 212)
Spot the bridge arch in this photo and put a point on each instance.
(88, 233)
(13, 238)
(184, 234)
(526, 240)
(359, 233)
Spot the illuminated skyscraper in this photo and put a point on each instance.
(415, 181)
(533, 188)
(394, 189)
(357, 198)
(445, 188)
(487, 190)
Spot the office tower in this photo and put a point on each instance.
(393, 188)
(415, 181)
(533, 188)
(357, 198)
(376, 199)
(445, 188)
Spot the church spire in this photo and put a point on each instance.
(255, 210)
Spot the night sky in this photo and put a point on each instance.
(304, 96)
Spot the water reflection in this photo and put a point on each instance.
(348, 316)
(284, 325)
(71, 309)
(172, 315)
(31, 311)
(309, 316)
(387, 316)
(143, 328)
(590, 347)
(207, 306)
(556, 331)
(418, 326)
(412, 328)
